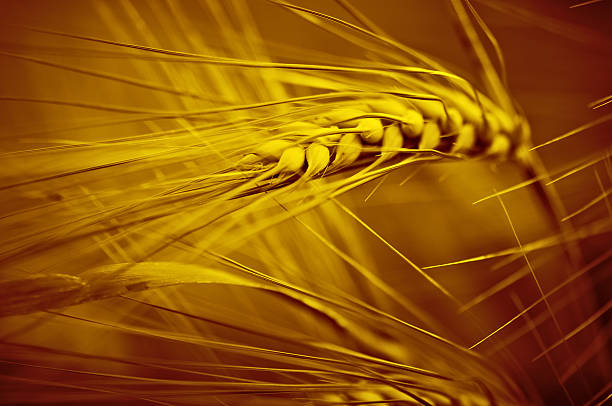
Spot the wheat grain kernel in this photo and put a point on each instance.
(317, 157)
(431, 109)
(291, 160)
(412, 124)
(329, 139)
(388, 106)
(454, 122)
(492, 127)
(348, 150)
(500, 146)
(506, 122)
(392, 139)
(466, 138)
(431, 136)
(371, 130)
(467, 107)
(272, 150)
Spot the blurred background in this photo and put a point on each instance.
(557, 62)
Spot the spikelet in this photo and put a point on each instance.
(371, 130)
(431, 136)
(427, 122)
(412, 124)
(348, 150)
(291, 160)
(317, 156)
(391, 142)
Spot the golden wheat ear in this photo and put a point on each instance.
(199, 209)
